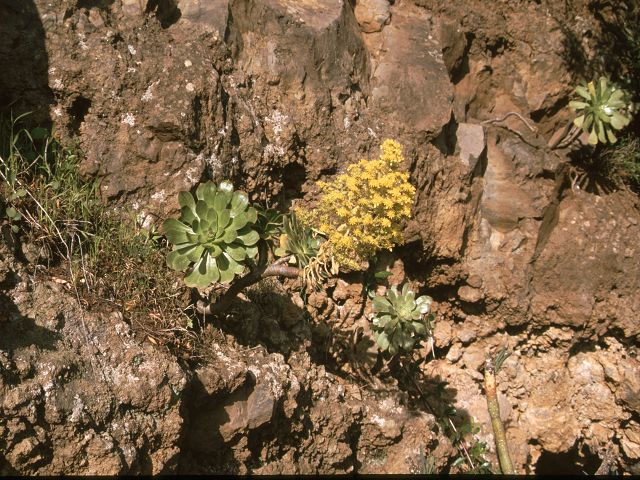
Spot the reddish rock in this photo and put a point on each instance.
(372, 15)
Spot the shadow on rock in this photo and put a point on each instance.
(18, 331)
(24, 83)
(205, 448)
(615, 40)
(265, 315)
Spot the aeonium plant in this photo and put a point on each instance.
(220, 238)
(214, 236)
(602, 108)
(401, 320)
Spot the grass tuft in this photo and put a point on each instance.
(106, 256)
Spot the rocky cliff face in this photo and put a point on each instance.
(276, 94)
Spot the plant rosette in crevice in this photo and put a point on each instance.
(215, 235)
(399, 319)
(298, 241)
(601, 110)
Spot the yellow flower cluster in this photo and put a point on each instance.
(362, 210)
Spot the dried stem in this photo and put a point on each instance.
(509, 114)
(262, 270)
(494, 412)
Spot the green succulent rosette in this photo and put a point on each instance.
(297, 241)
(214, 236)
(601, 110)
(399, 319)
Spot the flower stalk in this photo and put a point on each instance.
(496, 422)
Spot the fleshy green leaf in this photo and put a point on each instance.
(226, 273)
(226, 187)
(619, 121)
(212, 269)
(383, 341)
(237, 252)
(408, 343)
(383, 321)
(603, 86)
(234, 266)
(177, 261)
(193, 252)
(578, 105)
(202, 209)
(185, 199)
(248, 236)
(239, 221)
(382, 275)
(239, 203)
(195, 278)
(603, 116)
(225, 193)
(251, 214)
(381, 304)
(176, 231)
(600, 130)
(582, 91)
(209, 194)
(617, 95)
(419, 328)
(200, 191)
(224, 219)
(252, 251)
(588, 121)
(392, 293)
(187, 215)
(214, 250)
(229, 235)
(409, 296)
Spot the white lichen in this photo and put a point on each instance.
(129, 119)
(159, 197)
(148, 93)
(277, 121)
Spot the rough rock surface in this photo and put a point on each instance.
(78, 394)
(274, 95)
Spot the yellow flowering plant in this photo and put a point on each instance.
(221, 238)
(362, 210)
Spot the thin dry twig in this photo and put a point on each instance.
(509, 114)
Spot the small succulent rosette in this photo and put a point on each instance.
(602, 108)
(400, 319)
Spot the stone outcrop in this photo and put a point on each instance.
(275, 95)
(79, 395)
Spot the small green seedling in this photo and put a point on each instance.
(14, 216)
